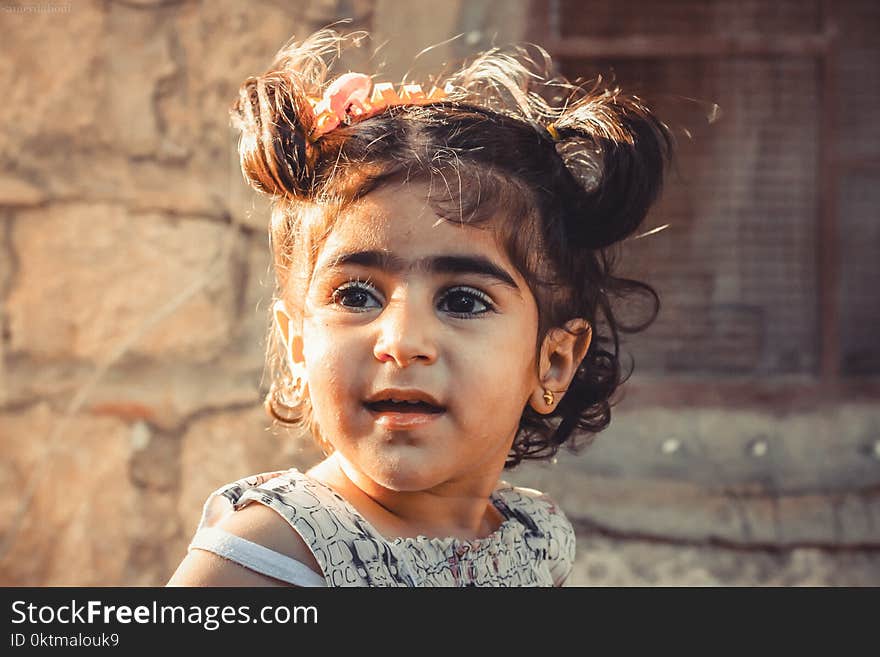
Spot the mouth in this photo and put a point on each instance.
(406, 407)
(399, 415)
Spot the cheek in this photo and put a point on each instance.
(332, 362)
(501, 371)
(326, 342)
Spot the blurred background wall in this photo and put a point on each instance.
(134, 281)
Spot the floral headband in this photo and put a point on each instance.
(353, 97)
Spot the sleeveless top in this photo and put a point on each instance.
(534, 546)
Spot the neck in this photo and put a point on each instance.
(458, 509)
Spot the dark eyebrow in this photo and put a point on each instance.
(442, 264)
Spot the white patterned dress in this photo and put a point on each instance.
(534, 546)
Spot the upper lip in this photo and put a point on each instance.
(399, 394)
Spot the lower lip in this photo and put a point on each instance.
(391, 420)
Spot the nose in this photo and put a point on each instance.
(406, 333)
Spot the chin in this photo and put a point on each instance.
(403, 473)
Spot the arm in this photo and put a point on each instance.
(256, 523)
(201, 568)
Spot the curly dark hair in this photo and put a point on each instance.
(574, 170)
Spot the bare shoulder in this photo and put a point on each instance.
(258, 524)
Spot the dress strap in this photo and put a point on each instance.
(256, 557)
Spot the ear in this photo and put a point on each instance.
(561, 355)
(293, 344)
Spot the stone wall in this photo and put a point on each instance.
(135, 281)
(744, 496)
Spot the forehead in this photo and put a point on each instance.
(398, 219)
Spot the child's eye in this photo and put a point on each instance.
(462, 302)
(352, 295)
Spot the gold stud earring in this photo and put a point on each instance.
(294, 391)
(548, 397)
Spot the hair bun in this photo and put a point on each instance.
(616, 150)
(274, 116)
(583, 161)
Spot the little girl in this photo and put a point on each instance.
(444, 312)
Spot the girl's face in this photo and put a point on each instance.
(401, 299)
